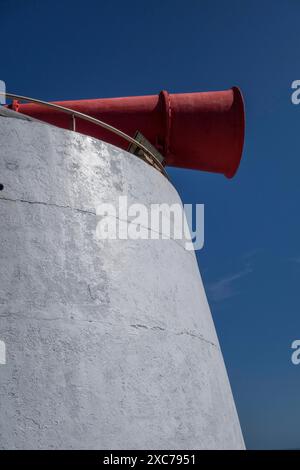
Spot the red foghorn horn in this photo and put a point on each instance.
(202, 131)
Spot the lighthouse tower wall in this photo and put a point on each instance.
(110, 344)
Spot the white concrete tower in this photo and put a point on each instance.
(109, 343)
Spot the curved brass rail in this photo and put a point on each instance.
(148, 156)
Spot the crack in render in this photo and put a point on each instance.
(50, 204)
(20, 316)
(137, 326)
(185, 332)
(151, 230)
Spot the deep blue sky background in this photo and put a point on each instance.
(251, 260)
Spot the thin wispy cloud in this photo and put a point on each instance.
(227, 286)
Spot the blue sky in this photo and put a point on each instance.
(251, 260)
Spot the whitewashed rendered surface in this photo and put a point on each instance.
(110, 344)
